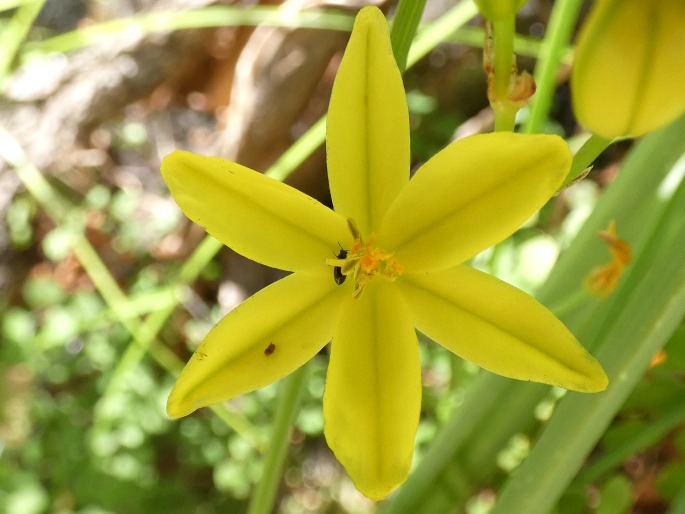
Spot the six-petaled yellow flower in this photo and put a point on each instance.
(400, 247)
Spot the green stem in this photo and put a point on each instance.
(292, 389)
(524, 46)
(434, 33)
(142, 304)
(199, 259)
(561, 24)
(211, 16)
(585, 156)
(503, 30)
(298, 151)
(505, 119)
(403, 29)
(14, 33)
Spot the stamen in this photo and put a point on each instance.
(364, 261)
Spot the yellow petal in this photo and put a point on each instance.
(500, 328)
(367, 132)
(263, 219)
(263, 339)
(471, 195)
(373, 390)
(629, 68)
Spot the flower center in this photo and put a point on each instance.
(363, 261)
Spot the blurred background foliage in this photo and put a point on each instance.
(106, 288)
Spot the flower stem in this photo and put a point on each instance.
(503, 32)
(505, 119)
(584, 157)
(15, 30)
(561, 24)
(434, 33)
(292, 389)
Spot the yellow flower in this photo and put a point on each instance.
(400, 245)
(630, 66)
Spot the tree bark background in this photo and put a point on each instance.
(250, 91)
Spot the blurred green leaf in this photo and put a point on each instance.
(42, 291)
(28, 498)
(671, 479)
(19, 216)
(616, 496)
(18, 325)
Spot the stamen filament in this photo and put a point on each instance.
(365, 261)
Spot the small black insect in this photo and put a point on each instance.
(269, 349)
(337, 270)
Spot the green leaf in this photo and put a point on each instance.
(494, 409)
(646, 309)
(403, 29)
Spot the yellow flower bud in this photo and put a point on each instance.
(629, 72)
(496, 9)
